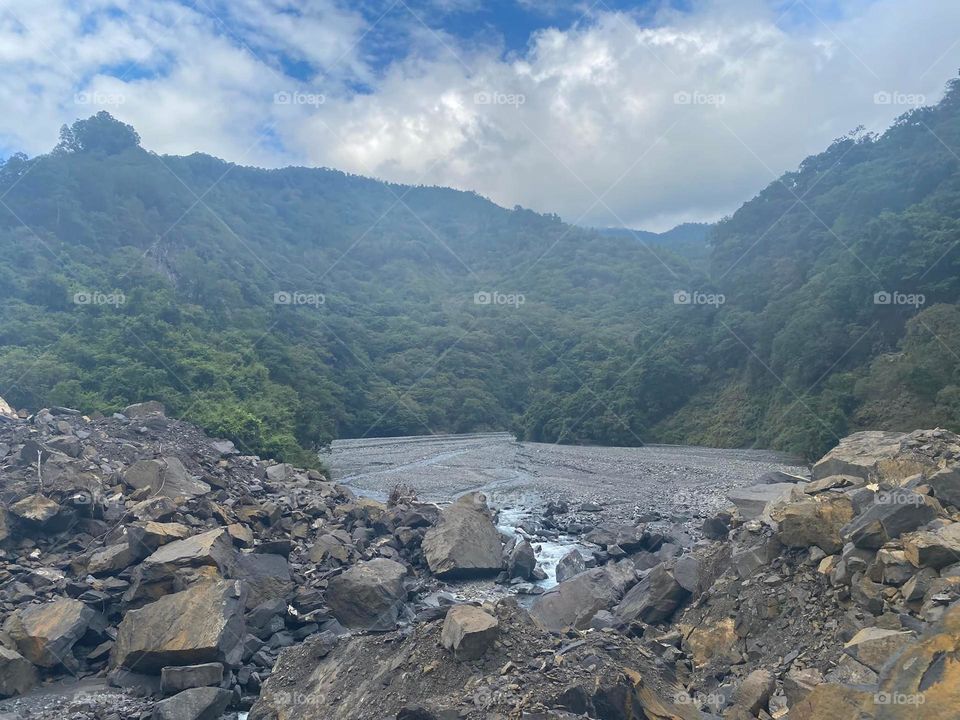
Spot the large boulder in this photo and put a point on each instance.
(17, 674)
(933, 548)
(522, 561)
(6, 411)
(204, 703)
(166, 477)
(835, 702)
(753, 500)
(946, 486)
(35, 509)
(569, 565)
(629, 538)
(267, 577)
(209, 555)
(147, 537)
(654, 599)
(200, 625)
(176, 679)
(45, 634)
(815, 522)
(574, 602)
(874, 646)
(872, 455)
(111, 559)
(369, 596)
(465, 543)
(468, 632)
(892, 514)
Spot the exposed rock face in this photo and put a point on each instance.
(465, 543)
(199, 625)
(17, 674)
(369, 596)
(45, 634)
(574, 602)
(167, 477)
(468, 632)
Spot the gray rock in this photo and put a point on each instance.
(892, 514)
(654, 599)
(574, 602)
(629, 538)
(522, 561)
(206, 703)
(465, 543)
(946, 486)
(175, 679)
(369, 596)
(166, 477)
(267, 577)
(144, 409)
(45, 634)
(570, 564)
(753, 500)
(17, 674)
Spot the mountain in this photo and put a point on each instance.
(689, 240)
(284, 308)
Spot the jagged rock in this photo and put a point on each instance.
(468, 632)
(204, 703)
(369, 596)
(267, 577)
(628, 538)
(241, 535)
(891, 567)
(574, 602)
(111, 559)
(753, 500)
(654, 599)
(797, 683)
(522, 561)
(916, 587)
(165, 477)
(754, 692)
(873, 646)
(212, 548)
(176, 679)
(200, 625)
(934, 549)
(900, 511)
(464, 543)
(569, 565)
(17, 674)
(815, 522)
(867, 594)
(147, 537)
(45, 634)
(330, 546)
(717, 527)
(7, 411)
(144, 409)
(35, 509)
(850, 672)
(946, 486)
(710, 639)
(871, 455)
(836, 702)
(746, 561)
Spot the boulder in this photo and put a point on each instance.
(6, 411)
(753, 500)
(147, 537)
(836, 702)
(717, 527)
(329, 546)
(202, 624)
(654, 599)
(45, 634)
(574, 602)
(628, 538)
(747, 560)
(110, 560)
(369, 596)
(933, 548)
(204, 703)
(144, 409)
(176, 679)
(569, 565)
(267, 577)
(35, 509)
(892, 514)
(17, 674)
(872, 455)
(468, 632)
(754, 692)
(212, 548)
(522, 561)
(465, 543)
(945, 485)
(711, 639)
(874, 646)
(815, 522)
(166, 477)
(798, 682)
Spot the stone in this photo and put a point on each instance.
(628, 538)
(329, 546)
(35, 509)
(654, 599)
(752, 501)
(874, 646)
(797, 683)
(574, 602)
(934, 548)
(815, 522)
(569, 565)
(45, 634)
(267, 577)
(872, 455)
(175, 679)
(754, 692)
(945, 485)
(916, 587)
(144, 409)
(7, 411)
(166, 477)
(147, 537)
(522, 561)
(892, 514)
(369, 596)
(893, 567)
(850, 672)
(212, 548)
(746, 561)
(205, 703)
(717, 527)
(241, 535)
(110, 560)
(836, 702)
(202, 624)
(17, 674)
(465, 543)
(711, 639)
(468, 632)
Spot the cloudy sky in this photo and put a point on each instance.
(614, 113)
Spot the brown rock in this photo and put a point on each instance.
(874, 646)
(45, 634)
(36, 509)
(754, 692)
(934, 549)
(469, 632)
(815, 522)
(835, 702)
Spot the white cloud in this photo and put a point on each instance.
(682, 117)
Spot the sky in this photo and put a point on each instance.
(613, 113)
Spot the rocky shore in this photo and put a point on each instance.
(147, 571)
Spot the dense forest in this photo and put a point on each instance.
(284, 308)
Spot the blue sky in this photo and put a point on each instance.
(641, 114)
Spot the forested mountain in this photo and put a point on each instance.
(282, 308)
